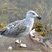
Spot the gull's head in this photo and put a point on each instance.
(32, 14)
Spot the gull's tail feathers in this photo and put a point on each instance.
(1, 32)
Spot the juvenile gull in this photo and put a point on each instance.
(21, 27)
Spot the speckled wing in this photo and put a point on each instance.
(16, 28)
(14, 23)
(20, 29)
(10, 27)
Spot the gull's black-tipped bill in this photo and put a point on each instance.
(38, 17)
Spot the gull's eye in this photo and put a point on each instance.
(33, 13)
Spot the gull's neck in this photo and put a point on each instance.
(29, 21)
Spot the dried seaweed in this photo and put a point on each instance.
(39, 27)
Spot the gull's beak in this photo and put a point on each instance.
(38, 17)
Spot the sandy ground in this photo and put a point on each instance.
(5, 42)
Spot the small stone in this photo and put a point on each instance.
(23, 45)
(0, 36)
(17, 41)
(10, 47)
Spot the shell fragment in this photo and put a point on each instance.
(23, 45)
(18, 41)
(10, 47)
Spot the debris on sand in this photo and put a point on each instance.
(20, 44)
(10, 47)
(0, 36)
(17, 41)
(48, 44)
(23, 45)
(35, 36)
(39, 27)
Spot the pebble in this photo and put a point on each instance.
(23, 45)
(18, 41)
(0, 36)
(10, 47)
